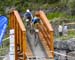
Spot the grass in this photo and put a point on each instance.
(5, 47)
(55, 15)
(3, 51)
(54, 5)
(71, 34)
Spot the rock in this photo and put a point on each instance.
(60, 55)
(61, 45)
(71, 55)
(71, 44)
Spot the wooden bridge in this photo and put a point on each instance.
(24, 41)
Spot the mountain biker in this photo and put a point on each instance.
(28, 15)
(28, 18)
(35, 21)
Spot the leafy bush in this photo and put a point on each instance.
(71, 32)
(55, 15)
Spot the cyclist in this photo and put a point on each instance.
(28, 17)
(35, 21)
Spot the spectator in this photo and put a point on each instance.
(65, 30)
(60, 29)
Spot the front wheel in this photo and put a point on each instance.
(36, 38)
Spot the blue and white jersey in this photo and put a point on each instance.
(28, 14)
(35, 19)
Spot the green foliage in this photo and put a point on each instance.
(71, 4)
(71, 34)
(5, 47)
(55, 15)
(44, 1)
(23, 4)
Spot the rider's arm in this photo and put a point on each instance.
(31, 16)
(24, 17)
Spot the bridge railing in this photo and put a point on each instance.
(20, 34)
(46, 30)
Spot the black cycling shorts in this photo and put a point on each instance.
(29, 18)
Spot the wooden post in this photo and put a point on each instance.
(20, 33)
(52, 42)
(13, 26)
(24, 44)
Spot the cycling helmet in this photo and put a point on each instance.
(27, 10)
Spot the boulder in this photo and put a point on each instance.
(71, 44)
(71, 55)
(60, 45)
(60, 55)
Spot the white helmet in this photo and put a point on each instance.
(27, 10)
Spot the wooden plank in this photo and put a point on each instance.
(44, 19)
(24, 43)
(19, 20)
(28, 51)
(45, 45)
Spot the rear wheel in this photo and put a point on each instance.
(28, 24)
